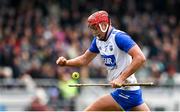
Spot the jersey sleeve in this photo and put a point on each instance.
(124, 41)
(93, 48)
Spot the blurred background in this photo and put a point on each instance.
(34, 33)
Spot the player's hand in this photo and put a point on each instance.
(61, 61)
(116, 83)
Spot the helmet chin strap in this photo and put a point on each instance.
(100, 26)
(104, 31)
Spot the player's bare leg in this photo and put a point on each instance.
(142, 107)
(104, 103)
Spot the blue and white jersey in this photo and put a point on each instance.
(114, 53)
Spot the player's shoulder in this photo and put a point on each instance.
(118, 34)
(117, 31)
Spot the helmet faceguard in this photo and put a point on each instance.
(96, 20)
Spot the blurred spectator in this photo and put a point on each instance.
(68, 94)
(6, 72)
(28, 82)
(54, 97)
(36, 105)
(168, 77)
(39, 102)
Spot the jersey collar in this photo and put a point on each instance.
(109, 32)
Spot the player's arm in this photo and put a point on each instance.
(138, 60)
(125, 43)
(82, 60)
